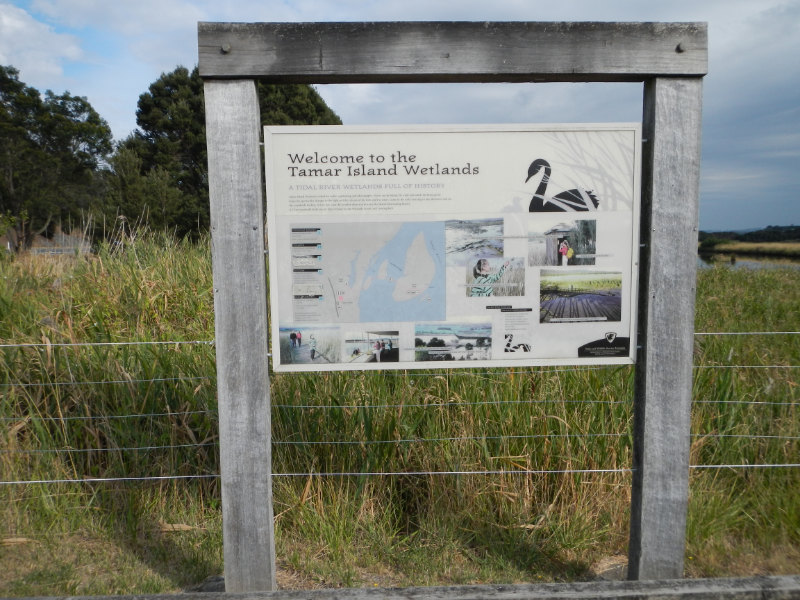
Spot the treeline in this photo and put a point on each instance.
(772, 233)
(59, 166)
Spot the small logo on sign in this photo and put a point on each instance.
(611, 336)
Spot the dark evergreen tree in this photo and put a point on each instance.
(171, 138)
(51, 150)
(151, 197)
(293, 104)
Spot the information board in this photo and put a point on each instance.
(452, 246)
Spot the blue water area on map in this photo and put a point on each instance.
(376, 303)
(354, 268)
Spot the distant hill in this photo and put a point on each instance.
(772, 233)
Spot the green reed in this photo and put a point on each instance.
(129, 411)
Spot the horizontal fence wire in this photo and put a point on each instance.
(323, 442)
(746, 366)
(746, 466)
(446, 404)
(371, 442)
(110, 479)
(91, 344)
(756, 402)
(383, 406)
(209, 378)
(745, 436)
(390, 406)
(102, 382)
(112, 449)
(393, 474)
(441, 473)
(213, 342)
(101, 417)
(465, 438)
(375, 374)
(746, 332)
(398, 441)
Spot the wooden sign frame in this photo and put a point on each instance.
(670, 58)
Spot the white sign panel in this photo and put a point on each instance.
(452, 246)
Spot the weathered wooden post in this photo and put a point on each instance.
(671, 58)
(233, 126)
(670, 184)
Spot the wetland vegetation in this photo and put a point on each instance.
(112, 414)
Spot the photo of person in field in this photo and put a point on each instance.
(310, 345)
(495, 277)
(566, 243)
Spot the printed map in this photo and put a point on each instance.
(368, 272)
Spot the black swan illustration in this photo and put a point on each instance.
(568, 200)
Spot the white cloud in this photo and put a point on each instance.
(725, 174)
(128, 17)
(164, 53)
(751, 123)
(484, 103)
(34, 48)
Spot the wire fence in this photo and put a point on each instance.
(61, 420)
(120, 441)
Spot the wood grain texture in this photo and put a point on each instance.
(240, 308)
(670, 188)
(451, 51)
(784, 587)
(670, 57)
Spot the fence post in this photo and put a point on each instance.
(233, 125)
(663, 388)
(670, 57)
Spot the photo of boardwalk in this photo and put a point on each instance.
(576, 297)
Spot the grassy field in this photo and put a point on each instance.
(129, 411)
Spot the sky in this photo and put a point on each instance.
(110, 51)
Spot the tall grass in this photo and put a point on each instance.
(746, 416)
(129, 411)
(72, 411)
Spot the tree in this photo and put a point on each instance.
(151, 196)
(51, 151)
(293, 104)
(171, 137)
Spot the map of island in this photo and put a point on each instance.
(370, 272)
(417, 278)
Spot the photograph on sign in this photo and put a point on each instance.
(452, 246)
